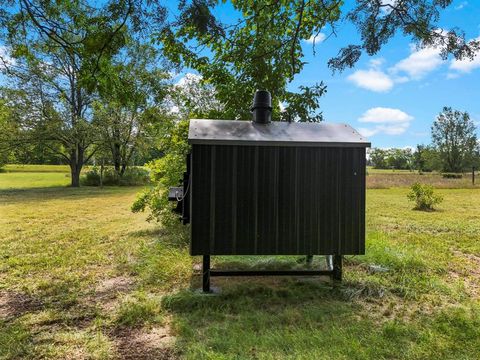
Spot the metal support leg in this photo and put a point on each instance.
(337, 267)
(329, 261)
(309, 260)
(206, 273)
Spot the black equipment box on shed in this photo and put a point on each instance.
(273, 188)
(276, 189)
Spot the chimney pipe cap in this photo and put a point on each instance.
(262, 99)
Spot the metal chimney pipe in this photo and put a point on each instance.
(262, 107)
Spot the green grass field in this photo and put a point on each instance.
(81, 277)
(34, 176)
(384, 179)
(20, 168)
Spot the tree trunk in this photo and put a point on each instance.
(101, 174)
(76, 164)
(116, 157)
(123, 168)
(75, 176)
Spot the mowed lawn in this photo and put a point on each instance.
(34, 176)
(81, 277)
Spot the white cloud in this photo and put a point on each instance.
(374, 80)
(464, 66)
(386, 9)
(419, 63)
(396, 129)
(414, 67)
(401, 79)
(5, 57)
(318, 38)
(188, 79)
(385, 115)
(367, 132)
(461, 5)
(376, 63)
(388, 121)
(452, 75)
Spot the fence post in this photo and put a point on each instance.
(473, 175)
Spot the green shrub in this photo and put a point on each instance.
(91, 177)
(164, 173)
(424, 197)
(452, 175)
(131, 177)
(3, 161)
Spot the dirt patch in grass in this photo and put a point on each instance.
(147, 343)
(469, 275)
(15, 304)
(475, 260)
(107, 292)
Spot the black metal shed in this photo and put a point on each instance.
(275, 188)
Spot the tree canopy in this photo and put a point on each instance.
(124, 110)
(61, 50)
(88, 76)
(261, 48)
(454, 135)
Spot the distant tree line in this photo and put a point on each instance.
(424, 158)
(91, 82)
(454, 148)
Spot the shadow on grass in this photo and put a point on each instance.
(64, 315)
(14, 304)
(51, 308)
(174, 237)
(60, 297)
(267, 318)
(14, 196)
(286, 318)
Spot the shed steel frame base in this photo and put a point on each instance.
(335, 273)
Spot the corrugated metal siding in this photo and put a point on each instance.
(265, 200)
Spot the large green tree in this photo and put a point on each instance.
(192, 97)
(426, 158)
(261, 48)
(7, 127)
(454, 135)
(401, 159)
(60, 49)
(127, 108)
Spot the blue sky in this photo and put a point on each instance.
(394, 97)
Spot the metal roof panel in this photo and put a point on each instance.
(238, 132)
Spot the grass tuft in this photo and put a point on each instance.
(137, 309)
(15, 341)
